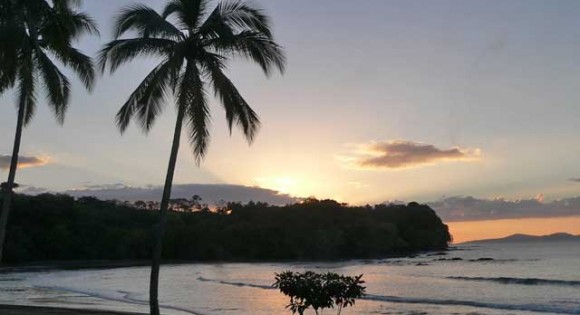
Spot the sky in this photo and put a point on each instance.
(433, 101)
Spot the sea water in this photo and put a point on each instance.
(492, 279)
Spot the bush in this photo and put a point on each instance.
(319, 291)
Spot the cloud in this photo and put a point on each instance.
(31, 190)
(23, 161)
(575, 179)
(210, 193)
(400, 154)
(104, 186)
(469, 208)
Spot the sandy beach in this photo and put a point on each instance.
(36, 310)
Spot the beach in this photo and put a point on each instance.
(35, 310)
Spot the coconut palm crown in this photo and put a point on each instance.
(33, 35)
(194, 45)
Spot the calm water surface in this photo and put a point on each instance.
(521, 279)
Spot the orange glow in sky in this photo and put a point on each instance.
(475, 230)
(282, 184)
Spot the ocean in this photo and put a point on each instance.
(490, 279)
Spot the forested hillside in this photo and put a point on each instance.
(60, 228)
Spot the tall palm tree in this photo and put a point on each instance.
(33, 34)
(194, 45)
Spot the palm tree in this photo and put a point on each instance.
(34, 33)
(194, 45)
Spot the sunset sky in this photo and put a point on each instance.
(430, 101)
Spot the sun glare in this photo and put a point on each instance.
(283, 184)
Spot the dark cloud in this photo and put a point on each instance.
(104, 186)
(23, 161)
(475, 209)
(209, 192)
(31, 190)
(405, 154)
(575, 179)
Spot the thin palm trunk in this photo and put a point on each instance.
(158, 246)
(8, 187)
(195, 51)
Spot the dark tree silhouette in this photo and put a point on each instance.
(194, 45)
(33, 34)
(60, 228)
(319, 291)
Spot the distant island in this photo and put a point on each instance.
(517, 238)
(49, 228)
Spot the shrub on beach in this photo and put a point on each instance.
(319, 291)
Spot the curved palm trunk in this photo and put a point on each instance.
(8, 187)
(158, 246)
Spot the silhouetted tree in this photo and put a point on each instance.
(319, 291)
(33, 34)
(194, 51)
(56, 227)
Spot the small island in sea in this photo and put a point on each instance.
(523, 238)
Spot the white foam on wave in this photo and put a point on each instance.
(497, 306)
(521, 281)
(237, 284)
(117, 296)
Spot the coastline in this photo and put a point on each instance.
(38, 310)
(75, 265)
(112, 264)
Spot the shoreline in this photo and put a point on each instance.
(75, 265)
(112, 264)
(38, 310)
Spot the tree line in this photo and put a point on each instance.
(61, 228)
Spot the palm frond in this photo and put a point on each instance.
(238, 111)
(11, 37)
(56, 85)
(253, 46)
(188, 12)
(27, 89)
(121, 51)
(59, 4)
(80, 23)
(146, 22)
(80, 63)
(60, 26)
(173, 7)
(192, 96)
(237, 16)
(147, 100)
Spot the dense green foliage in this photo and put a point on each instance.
(319, 291)
(58, 227)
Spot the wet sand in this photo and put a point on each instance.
(36, 310)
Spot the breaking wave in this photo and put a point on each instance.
(118, 296)
(238, 284)
(521, 281)
(553, 309)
